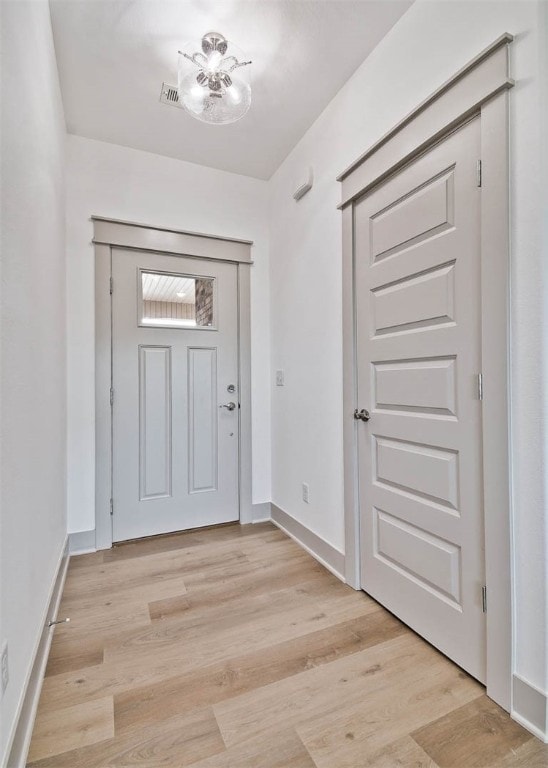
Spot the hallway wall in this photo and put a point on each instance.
(32, 352)
(424, 49)
(116, 182)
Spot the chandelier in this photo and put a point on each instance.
(214, 84)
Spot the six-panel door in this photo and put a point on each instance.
(417, 252)
(175, 379)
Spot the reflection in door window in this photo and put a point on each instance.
(176, 301)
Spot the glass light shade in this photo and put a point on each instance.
(214, 85)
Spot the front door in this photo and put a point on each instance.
(175, 393)
(417, 251)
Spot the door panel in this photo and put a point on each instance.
(155, 422)
(417, 252)
(431, 473)
(416, 386)
(431, 561)
(175, 353)
(418, 301)
(419, 214)
(202, 419)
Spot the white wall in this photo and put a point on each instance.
(33, 417)
(425, 48)
(116, 182)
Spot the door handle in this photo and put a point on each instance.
(229, 406)
(362, 415)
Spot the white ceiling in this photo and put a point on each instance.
(114, 54)
(158, 287)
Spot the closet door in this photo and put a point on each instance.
(418, 299)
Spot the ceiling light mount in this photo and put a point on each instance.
(214, 87)
(214, 41)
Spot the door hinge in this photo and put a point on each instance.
(111, 396)
(111, 507)
(111, 283)
(480, 386)
(478, 173)
(484, 599)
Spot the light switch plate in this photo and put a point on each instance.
(279, 378)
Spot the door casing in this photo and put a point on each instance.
(481, 88)
(110, 236)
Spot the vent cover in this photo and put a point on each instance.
(169, 95)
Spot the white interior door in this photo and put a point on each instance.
(175, 382)
(417, 251)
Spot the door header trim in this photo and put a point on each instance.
(128, 234)
(461, 96)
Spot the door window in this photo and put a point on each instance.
(169, 300)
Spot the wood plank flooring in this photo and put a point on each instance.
(233, 648)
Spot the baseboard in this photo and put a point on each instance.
(81, 542)
(530, 707)
(19, 744)
(261, 513)
(321, 550)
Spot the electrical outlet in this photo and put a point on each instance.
(5, 667)
(305, 492)
(279, 378)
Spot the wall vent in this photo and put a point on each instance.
(169, 95)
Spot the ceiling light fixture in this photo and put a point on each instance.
(214, 84)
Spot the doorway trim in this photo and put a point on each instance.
(479, 89)
(110, 235)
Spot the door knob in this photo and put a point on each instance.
(362, 415)
(229, 406)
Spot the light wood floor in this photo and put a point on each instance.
(233, 648)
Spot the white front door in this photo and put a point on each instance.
(175, 393)
(419, 355)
